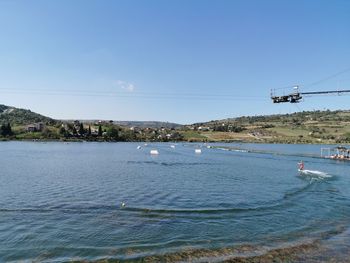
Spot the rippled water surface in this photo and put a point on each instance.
(60, 202)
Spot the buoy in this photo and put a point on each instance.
(138, 147)
(198, 151)
(172, 146)
(122, 204)
(154, 152)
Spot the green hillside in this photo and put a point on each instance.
(16, 116)
(301, 127)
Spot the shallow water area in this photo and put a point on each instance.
(91, 201)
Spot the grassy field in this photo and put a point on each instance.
(303, 127)
(193, 136)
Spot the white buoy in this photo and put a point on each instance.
(154, 152)
(138, 147)
(122, 204)
(198, 151)
(172, 146)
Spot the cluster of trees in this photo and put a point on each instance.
(104, 131)
(6, 130)
(110, 132)
(228, 128)
(72, 131)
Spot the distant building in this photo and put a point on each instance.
(135, 129)
(35, 127)
(200, 128)
(94, 131)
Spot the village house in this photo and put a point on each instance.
(200, 128)
(35, 127)
(135, 129)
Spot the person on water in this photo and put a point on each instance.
(301, 165)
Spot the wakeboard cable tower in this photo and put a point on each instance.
(296, 95)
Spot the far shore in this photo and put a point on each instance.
(182, 141)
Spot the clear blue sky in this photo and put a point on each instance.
(181, 61)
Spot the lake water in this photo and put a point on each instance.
(62, 202)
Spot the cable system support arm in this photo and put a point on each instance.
(325, 92)
(296, 96)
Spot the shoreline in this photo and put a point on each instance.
(312, 252)
(182, 141)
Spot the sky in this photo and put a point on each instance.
(181, 61)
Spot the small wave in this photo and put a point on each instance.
(182, 164)
(170, 163)
(101, 208)
(62, 208)
(241, 151)
(201, 211)
(232, 150)
(297, 191)
(142, 162)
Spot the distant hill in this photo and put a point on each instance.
(300, 127)
(139, 124)
(292, 118)
(17, 116)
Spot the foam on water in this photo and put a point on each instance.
(315, 173)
